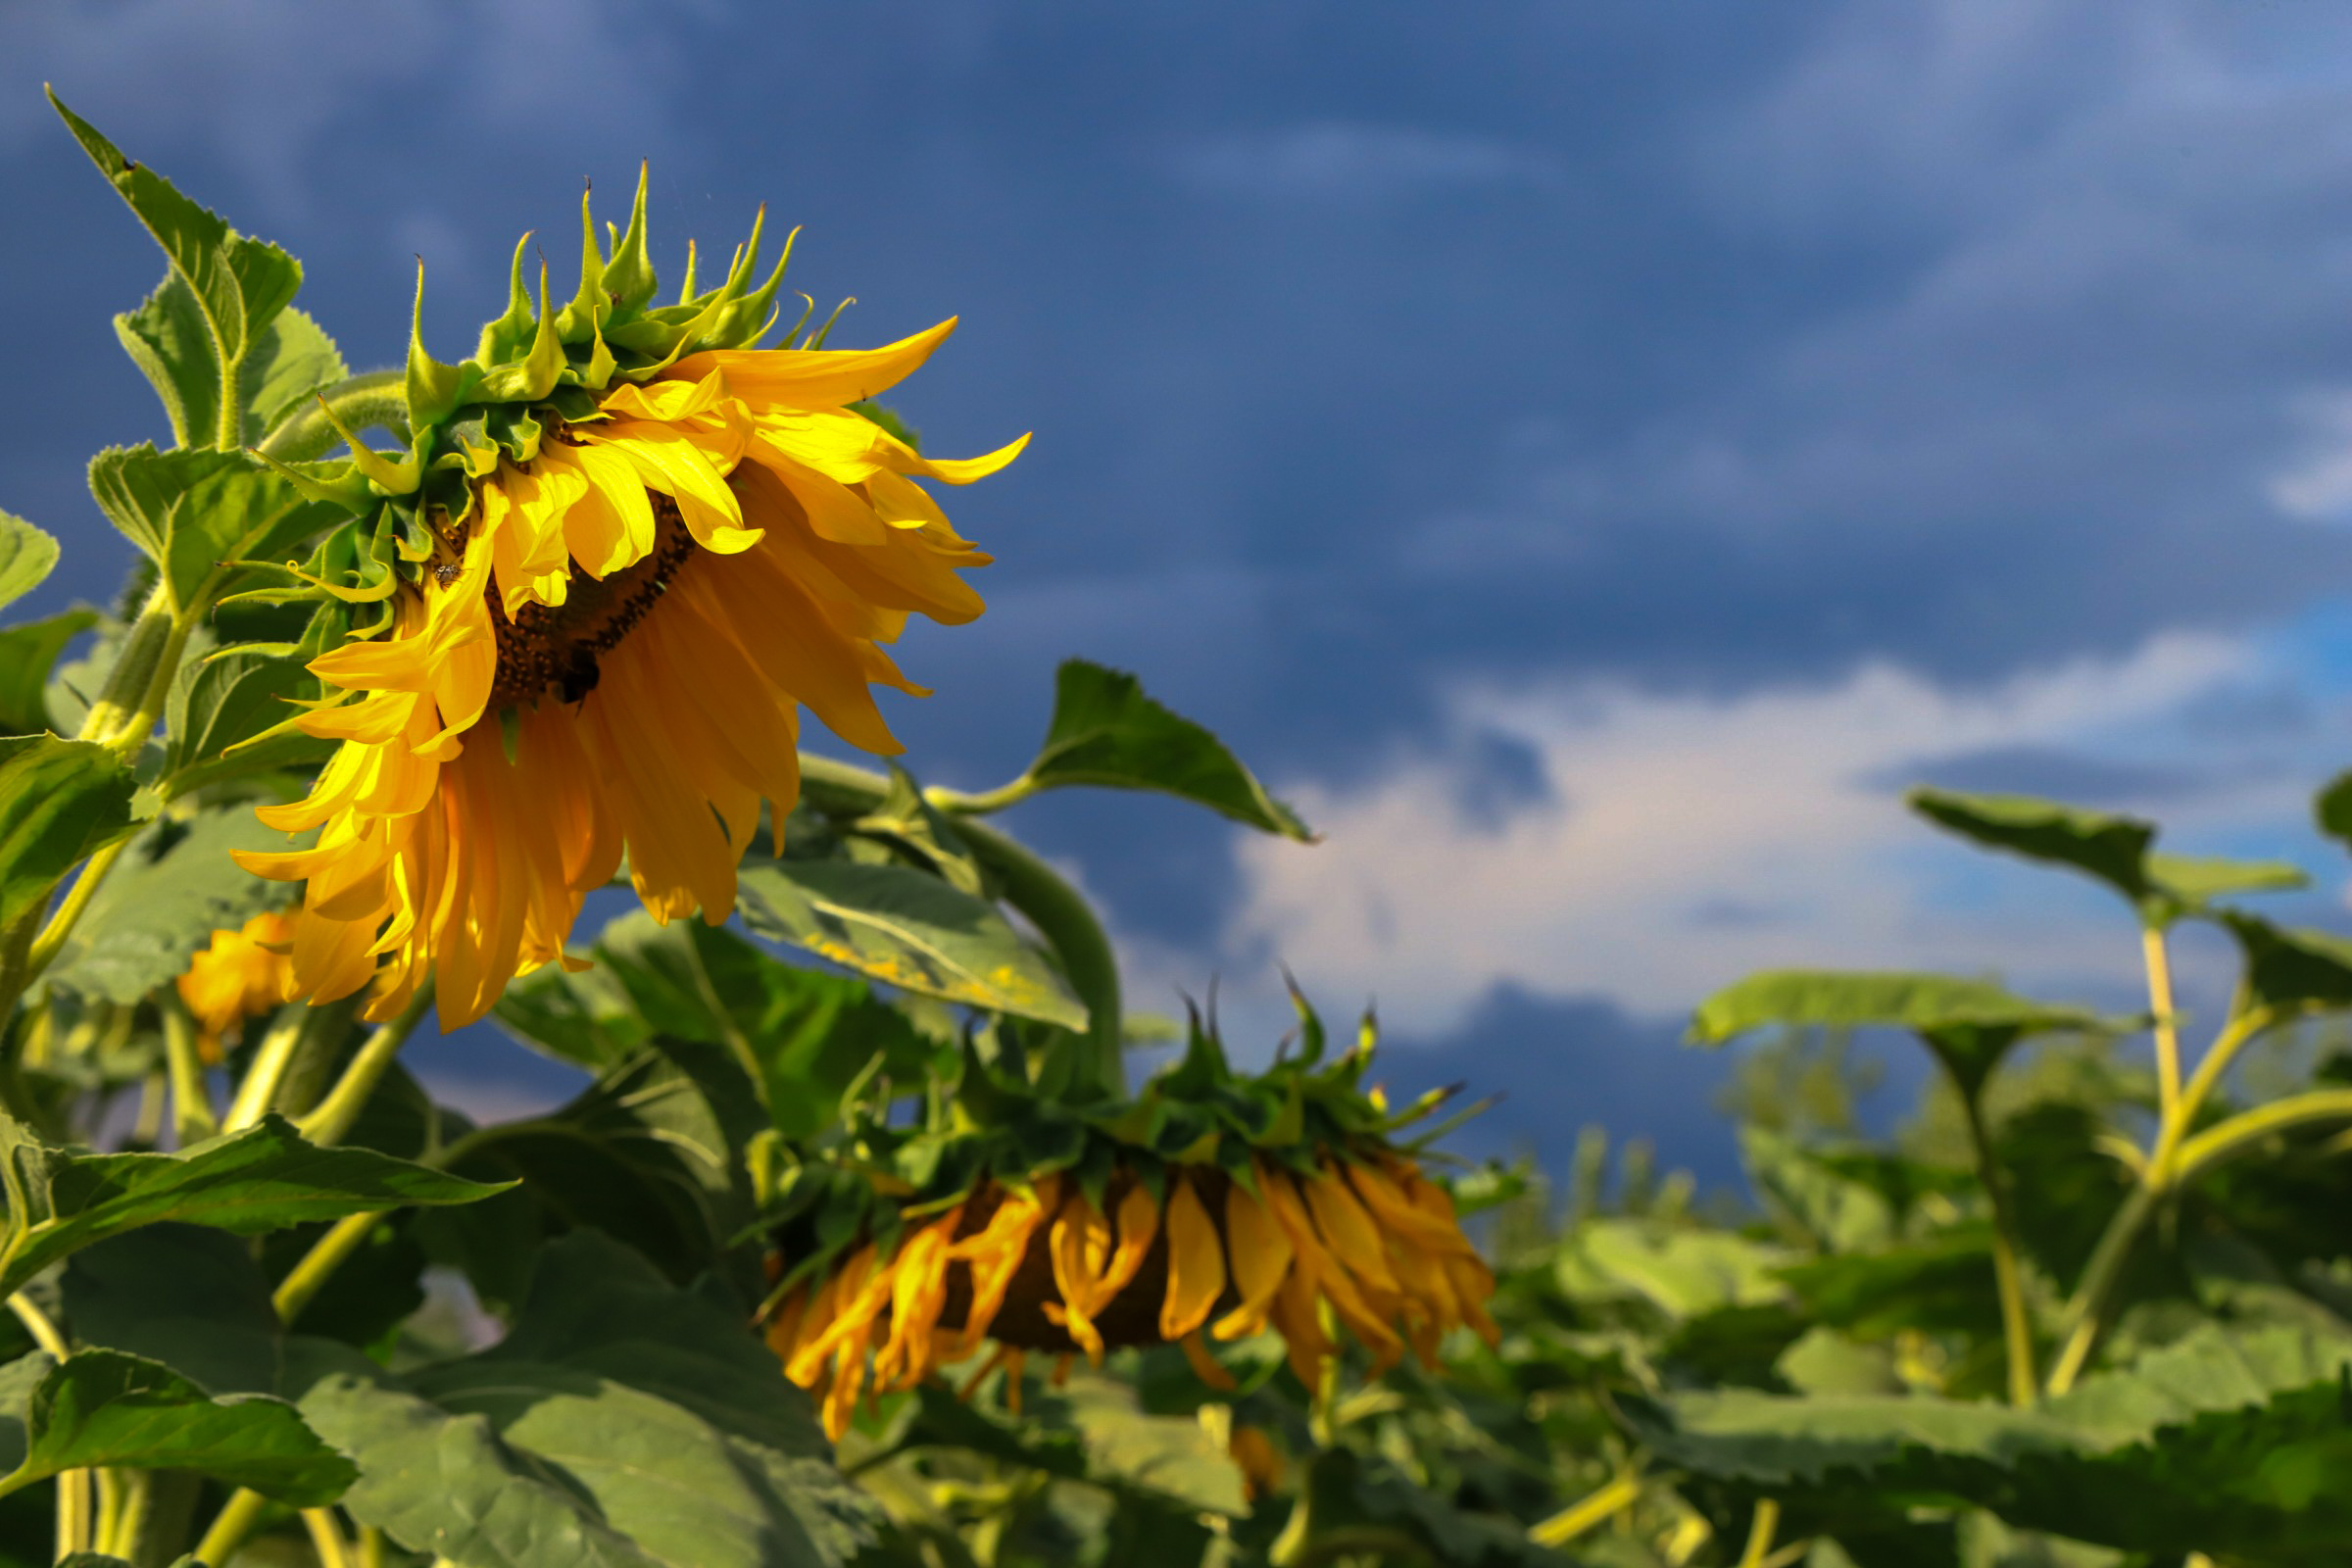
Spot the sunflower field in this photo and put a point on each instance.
(884, 1232)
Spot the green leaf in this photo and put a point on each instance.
(2233, 1441)
(1682, 1272)
(237, 283)
(1164, 1456)
(260, 1179)
(190, 1297)
(1968, 1023)
(2196, 880)
(59, 803)
(2331, 809)
(811, 1034)
(102, 1407)
(658, 1143)
(229, 699)
(294, 360)
(585, 1018)
(908, 930)
(1834, 1212)
(192, 511)
(621, 1422)
(1106, 732)
(1938, 1285)
(2113, 849)
(171, 890)
(27, 654)
(27, 557)
(2292, 968)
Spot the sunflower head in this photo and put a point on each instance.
(1211, 1208)
(241, 974)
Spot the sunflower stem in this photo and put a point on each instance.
(192, 1119)
(230, 1526)
(319, 1263)
(2017, 1329)
(377, 398)
(334, 1116)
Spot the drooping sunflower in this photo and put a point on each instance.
(624, 551)
(240, 974)
(1213, 1208)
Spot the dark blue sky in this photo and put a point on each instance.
(1591, 454)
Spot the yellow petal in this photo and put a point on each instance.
(811, 378)
(1196, 1262)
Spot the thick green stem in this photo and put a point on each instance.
(134, 667)
(1760, 1531)
(1056, 910)
(329, 1254)
(2240, 1133)
(1582, 1515)
(2086, 1312)
(192, 1119)
(2017, 1329)
(234, 1522)
(267, 1069)
(2167, 1024)
(377, 399)
(343, 1103)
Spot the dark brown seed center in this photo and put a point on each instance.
(553, 648)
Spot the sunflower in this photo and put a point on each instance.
(242, 974)
(629, 551)
(1364, 1242)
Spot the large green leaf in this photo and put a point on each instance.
(1968, 1023)
(1106, 732)
(168, 339)
(1684, 1273)
(651, 1153)
(2292, 968)
(260, 1179)
(585, 1017)
(238, 284)
(26, 555)
(2233, 1443)
(1834, 1212)
(1942, 1285)
(906, 929)
(621, 1422)
(191, 1298)
(103, 1408)
(809, 1034)
(171, 890)
(27, 654)
(191, 511)
(231, 698)
(60, 801)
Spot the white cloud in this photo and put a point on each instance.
(2316, 484)
(1691, 840)
(1354, 162)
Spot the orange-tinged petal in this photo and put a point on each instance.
(1260, 1254)
(1349, 1230)
(1196, 1262)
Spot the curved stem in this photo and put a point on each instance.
(230, 1526)
(377, 398)
(1060, 914)
(2017, 1330)
(36, 1323)
(2168, 1024)
(334, 1116)
(325, 1538)
(957, 803)
(1766, 1525)
(2218, 1145)
(258, 1092)
(2241, 1028)
(2086, 1311)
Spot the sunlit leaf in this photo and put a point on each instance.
(60, 801)
(27, 654)
(26, 555)
(192, 511)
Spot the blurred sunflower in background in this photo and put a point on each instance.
(624, 551)
(240, 974)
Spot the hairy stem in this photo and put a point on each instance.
(377, 399)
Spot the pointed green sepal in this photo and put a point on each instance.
(503, 337)
(349, 491)
(434, 389)
(629, 277)
(393, 478)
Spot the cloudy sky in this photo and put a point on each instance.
(1589, 457)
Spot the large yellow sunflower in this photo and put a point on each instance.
(603, 651)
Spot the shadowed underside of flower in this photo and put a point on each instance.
(605, 648)
(1365, 1245)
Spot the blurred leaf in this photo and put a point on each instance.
(1106, 732)
(2196, 880)
(1835, 1213)
(2113, 849)
(171, 890)
(906, 929)
(1683, 1272)
(27, 557)
(2331, 809)
(1354, 1493)
(1169, 1456)
(1942, 1284)
(2292, 968)
(27, 654)
(102, 1407)
(2229, 1440)
(621, 1422)
(266, 1176)
(59, 803)
(191, 511)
